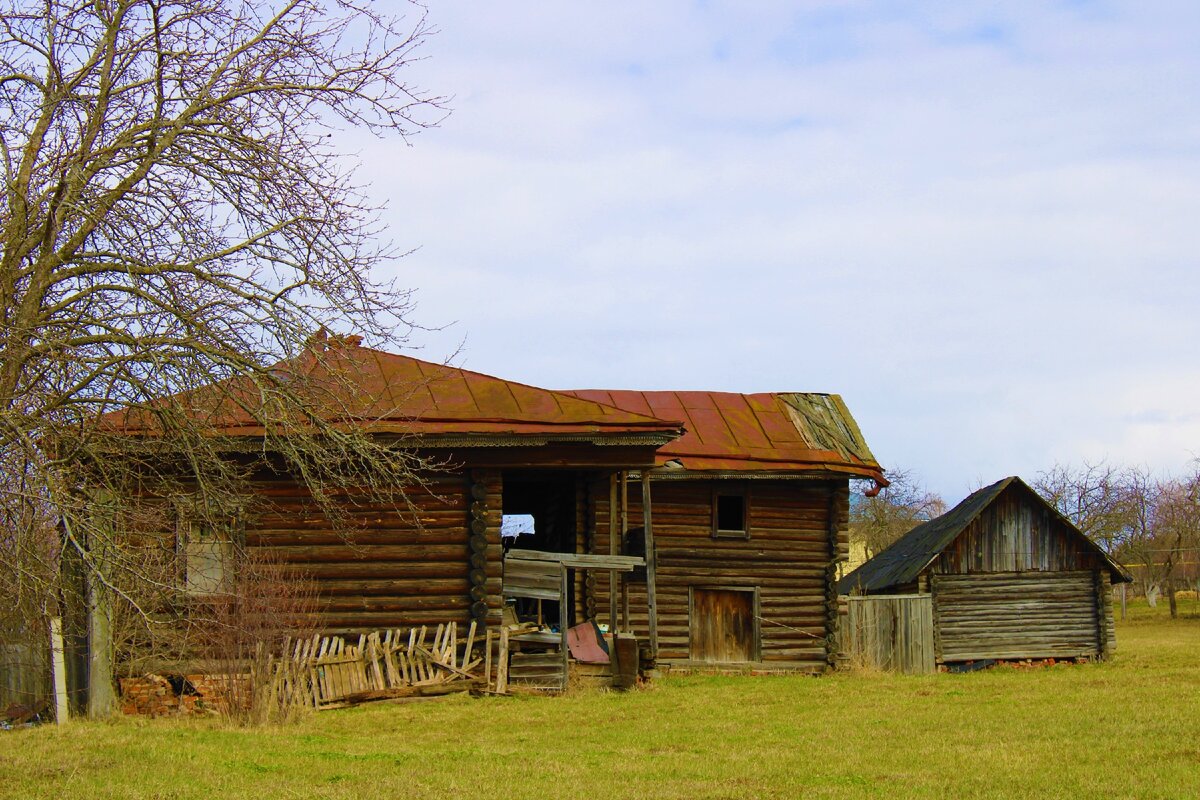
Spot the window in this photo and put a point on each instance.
(206, 545)
(731, 513)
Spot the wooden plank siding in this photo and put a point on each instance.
(391, 567)
(1014, 535)
(787, 557)
(890, 632)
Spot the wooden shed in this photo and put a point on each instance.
(1010, 578)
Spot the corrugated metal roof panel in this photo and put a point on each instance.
(761, 432)
(386, 392)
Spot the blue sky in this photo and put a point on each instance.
(978, 222)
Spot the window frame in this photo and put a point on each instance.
(226, 530)
(742, 492)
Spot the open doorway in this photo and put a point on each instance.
(539, 513)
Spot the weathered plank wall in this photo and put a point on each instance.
(1018, 615)
(890, 632)
(24, 674)
(787, 557)
(397, 567)
(1015, 535)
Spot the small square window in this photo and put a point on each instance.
(729, 514)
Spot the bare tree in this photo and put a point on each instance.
(898, 508)
(1091, 496)
(1147, 521)
(1164, 529)
(175, 226)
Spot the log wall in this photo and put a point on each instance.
(1021, 615)
(788, 558)
(390, 567)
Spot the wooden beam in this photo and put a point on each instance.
(578, 560)
(612, 550)
(562, 629)
(651, 564)
(624, 477)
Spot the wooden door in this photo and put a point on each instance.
(723, 625)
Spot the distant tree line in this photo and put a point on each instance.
(1148, 522)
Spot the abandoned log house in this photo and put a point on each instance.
(707, 525)
(1009, 578)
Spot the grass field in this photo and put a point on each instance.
(1127, 728)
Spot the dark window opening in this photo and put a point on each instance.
(635, 545)
(730, 515)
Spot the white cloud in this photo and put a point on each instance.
(975, 221)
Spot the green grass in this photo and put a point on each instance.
(1127, 728)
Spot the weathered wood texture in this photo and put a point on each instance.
(1010, 615)
(786, 557)
(890, 632)
(24, 674)
(724, 626)
(1014, 535)
(391, 567)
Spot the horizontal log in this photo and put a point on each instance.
(375, 620)
(395, 553)
(520, 582)
(1015, 654)
(358, 537)
(457, 584)
(1058, 623)
(394, 603)
(710, 578)
(523, 659)
(682, 557)
(431, 690)
(666, 544)
(530, 592)
(389, 570)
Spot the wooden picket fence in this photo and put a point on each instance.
(329, 672)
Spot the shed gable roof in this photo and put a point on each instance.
(908, 556)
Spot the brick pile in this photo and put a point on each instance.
(155, 695)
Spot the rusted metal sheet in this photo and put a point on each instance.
(390, 393)
(729, 432)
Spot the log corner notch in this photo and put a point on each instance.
(477, 546)
(837, 522)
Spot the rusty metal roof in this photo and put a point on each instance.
(768, 432)
(390, 393)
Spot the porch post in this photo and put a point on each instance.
(651, 558)
(621, 546)
(613, 549)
